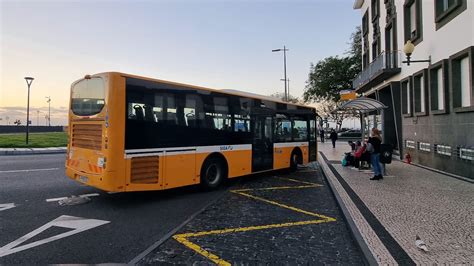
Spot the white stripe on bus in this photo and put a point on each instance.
(185, 150)
(290, 144)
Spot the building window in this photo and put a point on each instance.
(461, 67)
(447, 10)
(375, 8)
(391, 45)
(365, 40)
(410, 144)
(442, 149)
(438, 87)
(424, 146)
(466, 154)
(365, 23)
(413, 21)
(376, 47)
(419, 87)
(406, 98)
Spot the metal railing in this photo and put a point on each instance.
(386, 60)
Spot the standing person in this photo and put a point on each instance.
(321, 135)
(375, 141)
(333, 138)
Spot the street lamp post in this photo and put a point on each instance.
(49, 109)
(29, 80)
(288, 89)
(284, 66)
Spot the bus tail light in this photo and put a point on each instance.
(101, 161)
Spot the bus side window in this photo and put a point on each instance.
(192, 107)
(138, 111)
(282, 128)
(241, 123)
(300, 130)
(149, 116)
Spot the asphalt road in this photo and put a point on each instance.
(111, 228)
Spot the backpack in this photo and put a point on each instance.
(370, 147)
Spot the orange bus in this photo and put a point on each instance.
(131, 133)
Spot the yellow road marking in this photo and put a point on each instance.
(214, 258)
(183, 238)
(251, 228)
(275, 188)
(298, 181)
(286, 206)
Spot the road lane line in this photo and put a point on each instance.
(29, 170)
(83, 195)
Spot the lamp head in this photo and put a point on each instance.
(29, 80)
(408, 48)
(276, 50)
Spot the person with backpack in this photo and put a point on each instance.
(373, 146)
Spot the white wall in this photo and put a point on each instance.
(453, 37)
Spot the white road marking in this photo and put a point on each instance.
(29, 170)
(78, 225)
(6, 206)
(84, 195)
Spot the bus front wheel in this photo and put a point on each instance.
(213, 172)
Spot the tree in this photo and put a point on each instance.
(281, 96)
(355, 50)
(331, 75)
(328, 77)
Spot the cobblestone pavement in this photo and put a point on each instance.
(409, 201)
(277, 218)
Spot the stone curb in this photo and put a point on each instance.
(29, 151)
(357, 234)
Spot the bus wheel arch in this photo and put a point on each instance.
(296, 158)
(214, 170)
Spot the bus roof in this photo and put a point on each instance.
(226, 91)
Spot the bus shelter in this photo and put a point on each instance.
(361, 106)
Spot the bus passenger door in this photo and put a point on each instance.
(262, 145)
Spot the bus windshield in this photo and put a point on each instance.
(88, 97)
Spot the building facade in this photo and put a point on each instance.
(430, 113)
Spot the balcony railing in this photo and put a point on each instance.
(386, 62)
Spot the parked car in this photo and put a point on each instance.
(350, 134)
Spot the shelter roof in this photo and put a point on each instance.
(362, 105)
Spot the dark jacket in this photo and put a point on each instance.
(376, 143)
(333, 135)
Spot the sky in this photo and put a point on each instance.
(218, 44)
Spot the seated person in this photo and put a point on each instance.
(352, 144)
(360, 155)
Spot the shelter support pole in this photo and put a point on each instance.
(362, 126)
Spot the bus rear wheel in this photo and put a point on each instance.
(213, 172)
(295, 158)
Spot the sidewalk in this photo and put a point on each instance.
(386, 215)
(27, 151)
